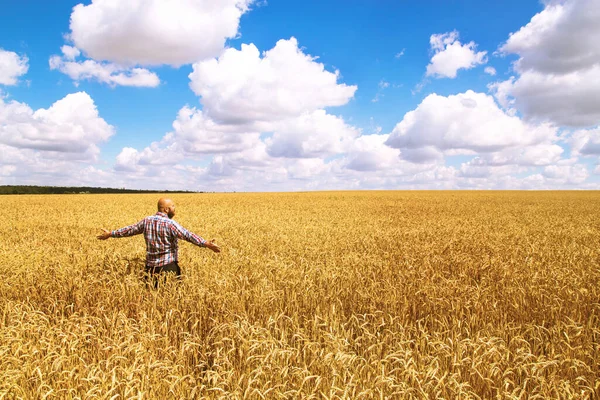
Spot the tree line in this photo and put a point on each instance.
(20, 189)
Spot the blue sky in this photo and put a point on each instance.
(286, 95)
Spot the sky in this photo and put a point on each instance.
(287, 95)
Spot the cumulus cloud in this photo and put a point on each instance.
(585, 143)
(53, 146)
(482, 171)
(423, 155)
(130, 159)
(195, 133)
(368, 165)
(567, 99)
(499, 169)
(31, 167)
(311, 135)
(536, 155)
(154, 32)
(316, 150)
(259, 111)
(559, 65)
(562, 38)
(369, 153)
(111, 74)
(566, 174)
(22, 166)
(71, 125)
(242, 86)
(473, 175)
(307, 169)
(70, 52)
(449, 55)
(466, 121)
(12, 66)
(194, 136)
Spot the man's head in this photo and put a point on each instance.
(167, 206)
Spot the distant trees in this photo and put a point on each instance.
(17, 189)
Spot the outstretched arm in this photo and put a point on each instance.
(186, 235)
(130, 230)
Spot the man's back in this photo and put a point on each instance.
(161, 234)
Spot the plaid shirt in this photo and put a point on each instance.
(161, 234)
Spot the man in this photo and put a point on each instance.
(161, 234)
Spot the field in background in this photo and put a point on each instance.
(322, 295)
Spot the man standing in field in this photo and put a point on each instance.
(161, 234)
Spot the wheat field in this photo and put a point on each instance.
(327, 295)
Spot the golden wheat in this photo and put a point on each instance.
(341, 295)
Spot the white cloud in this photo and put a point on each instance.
(259, 112)
(567, 99)
(500, 169)
(536, 155)
(369, 165)
(397, 175)
(108, 73)
(487, 172)
(242, 86)
(317, 151)
(369, 153)
(467, 121)
(195, 133)
(450, 55)
(558, 65)
(257, 159)
(7, 170)
(490, 71)
(473, 175)
(423, 155)
(311, 135)
(70, 52)
(70, 125)
(566, 174)
(307, 168)
(129, 159)
(561, 39)
(12, 66)
(194, 136)
(154, 32)
(502, 93)
(24, 166)
(585, 143)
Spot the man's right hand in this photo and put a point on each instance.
(105, 235)
(213, 246)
